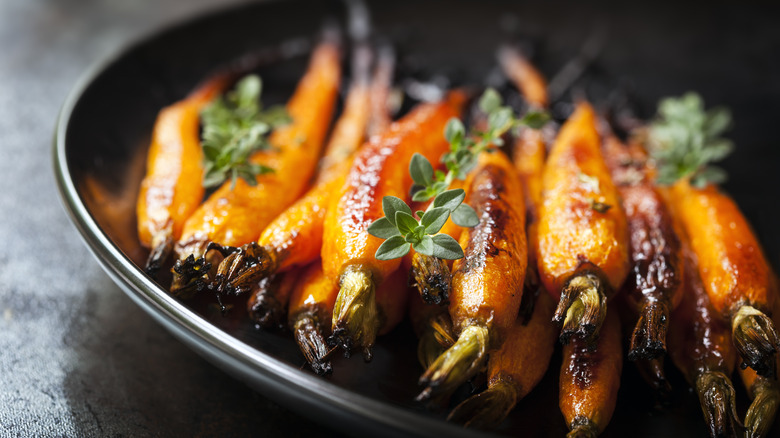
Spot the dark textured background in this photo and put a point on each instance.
(79, 358)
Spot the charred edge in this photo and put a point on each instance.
(716, 395)
(488, 408)
(308, 335)
(265, 309)
(355, 315)
(189, 276)
(648, 341)
(432, 278)
(652, 372)
(583, 310)
(763, 409)
(531, 291)
(583, 427)
(457, 364)
(756, 340)
(158, 256)
(242, 268)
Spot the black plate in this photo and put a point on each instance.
(727, 54)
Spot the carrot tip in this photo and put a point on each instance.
(584, 305)
(189, 276)
(263, 306)
(432, 278)
(159, 255)
(652, 371)
(716, 395)
(241, 268)
(355, 315)
(308, 336)
(488, 408)
(457, 364)
(763, 409)
(648, 340)
(582, 427)
(756, 340)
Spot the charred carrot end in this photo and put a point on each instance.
(307, 330)
(435, 340)
(242, 268)
(160, 252)
(756, 340)
(652, 372)
(763, 410)
(355, 315)
(432, 278)
(487, 408)
(583, 427)
(716, 395)
(582, 308)
(263, 307)
(189, 276)
(457, 364)
(648, 341)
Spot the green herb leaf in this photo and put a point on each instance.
(393, 248)
(383, 229)
(422, 195)
(445, 247)
(454, 130)
(434, 219)
(490, 101)
(421, 170)
(405, 222)
(450, 199)
(391, 205)
(709, 175)
(425, 246)
(465, 216)
(535, 119)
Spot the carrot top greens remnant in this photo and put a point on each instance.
(685, 138)
(234, 128)
(401, 229)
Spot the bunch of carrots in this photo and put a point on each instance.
(339, 233)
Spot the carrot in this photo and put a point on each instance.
(524, 75)
(379, 169)
(583, 237)
(514, 370)
(233, 216)
(590, 379)
(172, 188)
(433, 327)
(381, 87)
(700, 347)
(487, 282)
(734, 270)
(654, 285)
(264, 305)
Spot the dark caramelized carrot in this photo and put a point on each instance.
(700, 347)
(265, 304)
(583, 237)
(379, 169)
(487, 282)
(734, 270)
(172, 188)
(233, 216)
(590, 380)
(765, 396)
(514, 370)
(654, 285)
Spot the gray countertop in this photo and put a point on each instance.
(77, 357)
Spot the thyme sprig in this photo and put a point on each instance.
(401, 229)
(234, 127)
(685, 138)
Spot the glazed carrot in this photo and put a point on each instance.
(514, 370)
(524, 75)
(172, 188)
(264, 305)
(653, 287)
(700, 347)
(734, 270)
(590, 379)
(379, 169)
(583, 237)
(233, 216)
(381, 87)
(487, 282)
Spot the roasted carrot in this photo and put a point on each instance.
(734, 270)
(265, 304)
(653, 287)
(487, 282)
(583, 237)
(381, 89)
(700, 347)
(233, 216)
(172, 188)
(433, 327)
(514, 370)
(765, 396)
(379, 169)
(524, 75)
(590, 379)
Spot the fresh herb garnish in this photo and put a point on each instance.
(401, 229)
(685, 138)
(234, 127)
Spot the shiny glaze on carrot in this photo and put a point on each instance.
(172, 188)
(573, 236)
(381, 169)
(237, 216)
(487, 283)
(589, 380)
